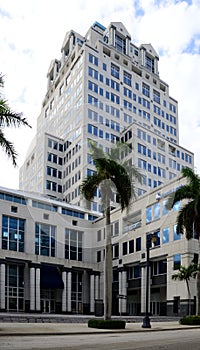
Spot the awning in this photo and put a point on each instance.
(50, 277)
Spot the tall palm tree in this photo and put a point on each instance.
(111, 172)
(8, 118)
(184, 274)
(188, 219)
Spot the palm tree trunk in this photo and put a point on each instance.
(108, 266)
(189, 297)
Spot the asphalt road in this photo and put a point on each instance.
(162, 340)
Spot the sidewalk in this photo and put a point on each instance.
(28, 329)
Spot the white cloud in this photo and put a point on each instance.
(32, 33)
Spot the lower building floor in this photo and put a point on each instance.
(36, 288)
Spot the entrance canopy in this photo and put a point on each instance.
(50, 277)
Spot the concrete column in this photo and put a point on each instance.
(143, 289)
(64, 292)
(97, 286)
(124, 291)
(143, 57)
(32, 289)
(112, 36)
(92, 293)
(3, 286)
(37, 289)
(120, 292)
(71, 43)
(156, 66)
(69, 291)
(127, 46)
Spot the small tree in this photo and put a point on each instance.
(111, 172)
(184, 274)
(8, 118)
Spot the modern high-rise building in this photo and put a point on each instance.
(107, 89)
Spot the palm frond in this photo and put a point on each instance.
(193, 178)
(9, 118)
(8, 148)
(185, 220)
(89, 186)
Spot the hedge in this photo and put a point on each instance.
(107, 324)
(190, 320)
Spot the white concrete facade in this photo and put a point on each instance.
(69, 278)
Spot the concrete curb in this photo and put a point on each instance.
(26, 334)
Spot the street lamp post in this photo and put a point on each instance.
(146, 320)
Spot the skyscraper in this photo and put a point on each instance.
(107, 89)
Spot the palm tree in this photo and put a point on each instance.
(188, 219)
(8, 118)
(184, 274)
(110, 172)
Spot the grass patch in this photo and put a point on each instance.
(107, 324)
(190, 320)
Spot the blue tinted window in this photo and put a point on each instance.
(165, 235)
(148, 214)
(177, 236)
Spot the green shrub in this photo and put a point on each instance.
(107, 324)
(190, 320)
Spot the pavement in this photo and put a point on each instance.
(36, 329)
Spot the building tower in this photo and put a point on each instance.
(103, 88)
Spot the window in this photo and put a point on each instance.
(93, 87)
(73, 244)
(142, 164)
(115, 98)
(165, 235)
(146, 90)
(165, 211)
(137, 271)
(157, 240)
(148, 214)
(149, 64)
(93, 59)
(156, 211)
(142, 149)
(177, 236)
(127, 78)
(93, 100)
(138, 244)
(92, 130)
(159, 267)
(45, 239)
(98, 235)
(124, 248)
(114, 85)
(153, 240)
(116, 251)
(131, 246)
(177, 261)
(99, 256)
(115, 228)
(13, 231)
(114, 71)
(177, 206)
(14, 209)
(104, 67)
(120, 43)
(156, 96)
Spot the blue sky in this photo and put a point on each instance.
(32, 33)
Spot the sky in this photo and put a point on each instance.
(32, 33)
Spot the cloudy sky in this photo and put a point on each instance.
(31, 35)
